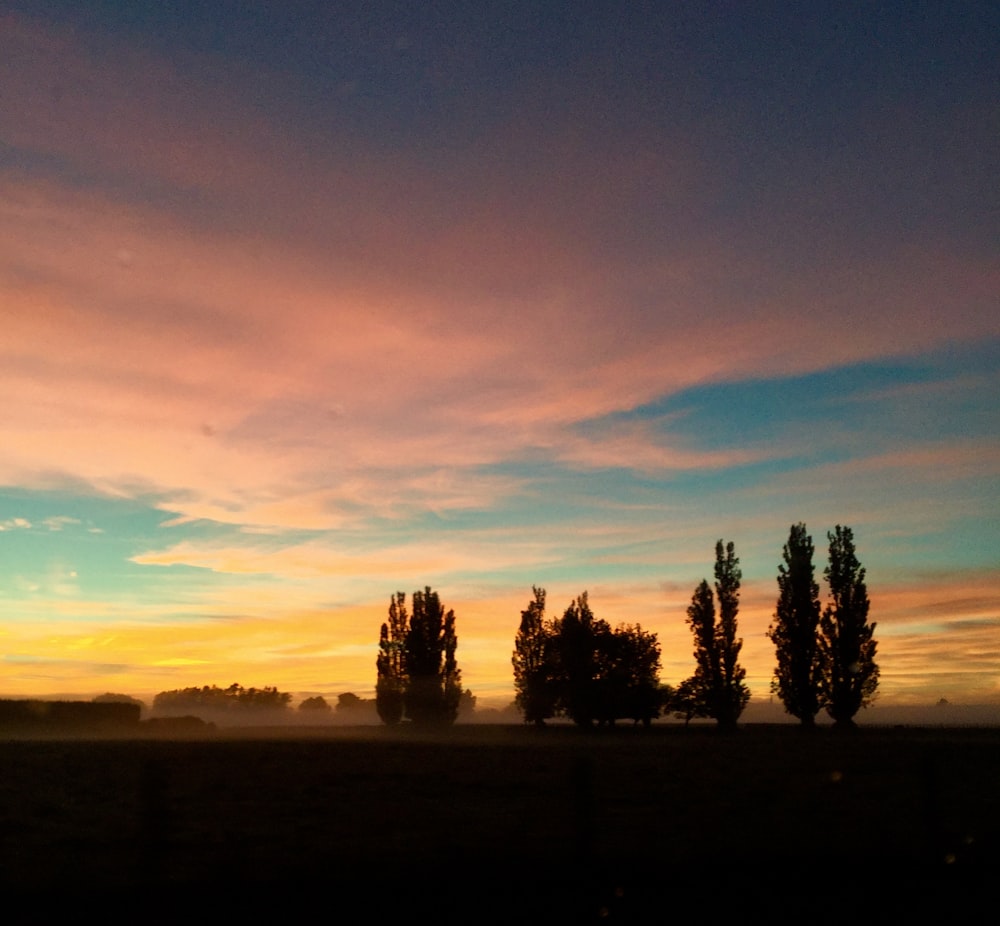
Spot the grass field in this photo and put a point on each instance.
(518, 824)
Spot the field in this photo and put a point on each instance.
(506, 824)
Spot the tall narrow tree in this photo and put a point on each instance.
(734, 694)
(846, 642)
(795, 630)
(719, 680)
(704, 684)
(390, 685)
(535, 663)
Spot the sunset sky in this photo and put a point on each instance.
(299, 308)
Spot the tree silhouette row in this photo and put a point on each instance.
(576, 666)
(826, 659)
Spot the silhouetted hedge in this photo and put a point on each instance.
(67, 716)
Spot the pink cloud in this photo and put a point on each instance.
(343, 328)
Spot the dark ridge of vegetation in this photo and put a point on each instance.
(68, 716)
(217, 700)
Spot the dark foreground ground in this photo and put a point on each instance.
(504, 824)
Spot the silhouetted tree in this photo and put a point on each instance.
(266, 699)
(846, 643)
(349, 701)
(701, 619)
(110, 697)
(213, 698)
(719, 678)
(611, 674)
(390, 685)
(418, 676)
(795, 630)
(467, 703)
(628, 673)
(535, 663)
(666, 694)
(315, 705)
(578, 667)
(643, 650)
(433, 689)
(734, 694)
(684, 702)
(577, 636)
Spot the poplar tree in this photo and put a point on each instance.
(418, 675)
(434, 683)
(794, 630)
(704, 684)
(390, 685)
(846, 641)
(719, 680)
(734, 693)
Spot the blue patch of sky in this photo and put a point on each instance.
(83, 545)
(863, 398)
(969, 545)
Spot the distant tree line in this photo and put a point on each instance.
(215, 699)
(578, 667)
(353, 708)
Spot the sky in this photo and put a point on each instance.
(303, 304)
